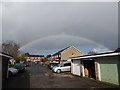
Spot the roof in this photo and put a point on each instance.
(5, 55)
(60, 51)
(117, 50)
(98, 55)
(36, 56)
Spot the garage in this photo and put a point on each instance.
(75, 68)
(104, 66)
(89, 65)
(5, 60)
(110, 69)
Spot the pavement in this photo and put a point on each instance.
(39, 76)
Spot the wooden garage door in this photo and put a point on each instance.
(76, 67)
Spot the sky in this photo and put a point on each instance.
(47, 27)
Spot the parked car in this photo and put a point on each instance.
(20, 67)
(63, 67)
(26, 64)
(12, 71)
(21, 61)
(36, 62)
(41, 62)
(51, 65)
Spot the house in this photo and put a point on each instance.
(104, 67)
(5, 60)
(34, 58)
(64, 54)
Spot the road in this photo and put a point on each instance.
(38, 76)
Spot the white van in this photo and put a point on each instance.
(63, 67)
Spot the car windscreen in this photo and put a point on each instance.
(55, 64)
(52, 63)
(18, 65)
(59, 65)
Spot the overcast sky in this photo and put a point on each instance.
(87, 26)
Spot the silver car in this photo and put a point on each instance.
(63, 67)
(12, 71)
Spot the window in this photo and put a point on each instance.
(59, 55)
(32, 57)
(67, 64)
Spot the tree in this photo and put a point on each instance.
(27, 54)
(92, 52)
(11, 48)
(48, 56)
(23, 53)
(22, 56)
(45, 59)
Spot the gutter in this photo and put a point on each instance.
(93, 56)
(5, 55)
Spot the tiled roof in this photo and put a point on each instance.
(60, 51)
(117, 50)
(36, 56)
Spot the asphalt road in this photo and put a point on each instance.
(38, 76)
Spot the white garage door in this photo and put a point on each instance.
(76, 67)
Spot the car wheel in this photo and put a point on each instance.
(58, 71)
(10, 74)
(23, 70)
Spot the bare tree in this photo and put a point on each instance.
(92, 52)
(48, 56)
(11, 48)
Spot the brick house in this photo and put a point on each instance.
(65, 54)
(34, 58)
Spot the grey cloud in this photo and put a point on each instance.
(24, 22)
(53, 44)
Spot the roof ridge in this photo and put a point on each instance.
(61, 50)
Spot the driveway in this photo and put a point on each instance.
(38, 76)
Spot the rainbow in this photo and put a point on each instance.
(62, 35)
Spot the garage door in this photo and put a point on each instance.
(76, 67)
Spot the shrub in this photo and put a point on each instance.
(46, 63)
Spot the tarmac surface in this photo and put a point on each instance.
(39, 76)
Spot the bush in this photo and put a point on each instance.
(46, 63)
(10, 65)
